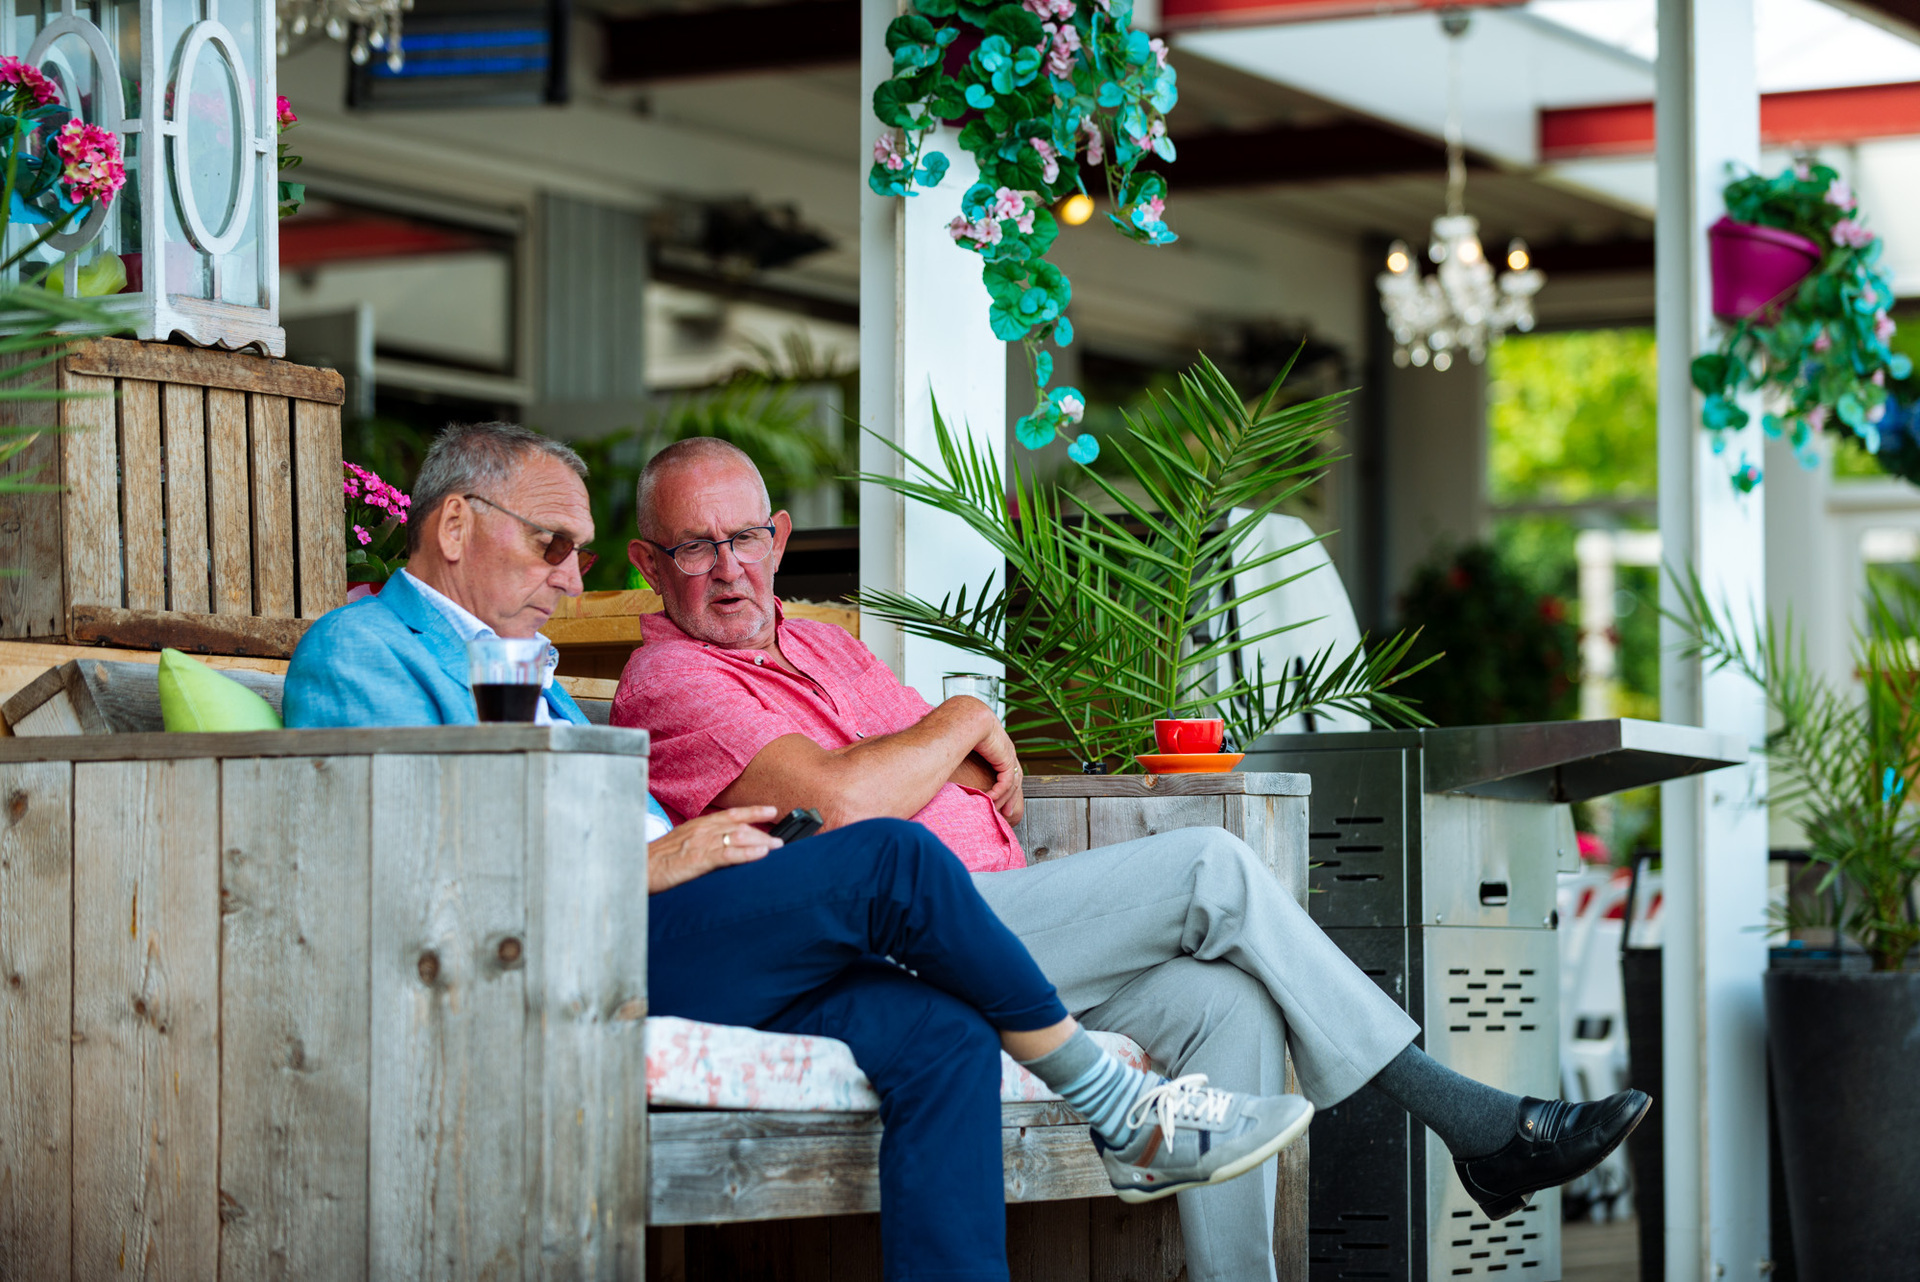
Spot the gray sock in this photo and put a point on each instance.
(1471, 1118)
(1097, 1085)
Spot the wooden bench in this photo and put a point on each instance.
(353, 1003)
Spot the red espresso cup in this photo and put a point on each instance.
(1189, 735)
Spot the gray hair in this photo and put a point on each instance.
(468, 458)
(694, 449)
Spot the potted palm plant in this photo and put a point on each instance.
(1115, 610)
(1842, 1041)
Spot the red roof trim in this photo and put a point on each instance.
(1786, 119)
(1193, 15)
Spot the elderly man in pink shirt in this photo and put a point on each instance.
(1182, 941)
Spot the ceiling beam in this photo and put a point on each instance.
(1195, 15)
(1805, 117)
(1300, 154)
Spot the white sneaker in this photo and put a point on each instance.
(1197, 1136)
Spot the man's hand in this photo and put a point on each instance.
(996, 749)
(718, 840)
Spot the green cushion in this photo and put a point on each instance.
(193, 697)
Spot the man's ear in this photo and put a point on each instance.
(453, 529)
(782, 531)
(646, 558)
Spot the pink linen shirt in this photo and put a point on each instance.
(710, 711)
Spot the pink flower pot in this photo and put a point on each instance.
(1756, 268)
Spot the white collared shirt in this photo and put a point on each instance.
(468, 625)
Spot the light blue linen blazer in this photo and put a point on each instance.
(388, 660)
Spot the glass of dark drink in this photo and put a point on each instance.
(505, 675)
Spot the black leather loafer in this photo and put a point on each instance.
(1554, 1142)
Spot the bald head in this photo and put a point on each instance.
(696, 453)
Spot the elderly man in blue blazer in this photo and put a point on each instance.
(744, 933)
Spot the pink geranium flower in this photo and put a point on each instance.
(886, 152)
(1852, 233)
(1096, 141)
(1063, 49)
(1049, 159)
(93, 172)
(1838, 193)
(1159, 48)
(1883, 326)
(1153, 207)
(27, 81)
(1060, 9)
(1008, 203)
(1823, 342)
(983, 233)
(283, 113)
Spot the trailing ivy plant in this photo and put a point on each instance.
(1049, 90)
(1822, 355)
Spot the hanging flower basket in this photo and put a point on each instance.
(1798, 282)
(1756, 268)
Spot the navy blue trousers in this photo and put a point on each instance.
(794, 943)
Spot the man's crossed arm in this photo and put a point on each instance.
(886, 776)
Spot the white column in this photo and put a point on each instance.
(923, 336)
(1714, 827)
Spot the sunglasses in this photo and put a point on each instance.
(559, 546)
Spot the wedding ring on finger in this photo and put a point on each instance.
(726, 840)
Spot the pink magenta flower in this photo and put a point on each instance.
(1159, 48)
(1049, 159)
(1153, 207)
(1852, 233)
(1008, 203)
(1061, 9)
(1878, 378)
(886, 151)
(1817, 417)
(1883, 326)
(93, 172)
(283, 113)
(1096, 141)
(1823, 342)
(28, 80)
(985, 232)
(362, 535)
(1838, 193)
(1063, 48)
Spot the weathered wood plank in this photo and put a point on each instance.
(586, 1054)
(833, 1170)
(1117, 819)
(95, 696)
(167, 363)
(1052, 827)
(229, 502)
(56, 702)
(753, 1124)
(183, 419)
(1266, 782)
(1049, 1241)
(36, 1013)
(142, 501)
(270, 438)
(448, 1164)
(320, 547)
(1290, 1201)
(32, 603)
(90, 470)
(237, 634)
(296, 868)
(146, 1057)
(1136, 1243)
(1276, 828)
(442, 740)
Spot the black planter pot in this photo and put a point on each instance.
(1845, 1048)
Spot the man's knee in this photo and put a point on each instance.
(946, 1040)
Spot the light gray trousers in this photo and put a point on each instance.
(1185, 942)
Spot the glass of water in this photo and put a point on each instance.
(981, 686)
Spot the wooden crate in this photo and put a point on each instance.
(200, 502)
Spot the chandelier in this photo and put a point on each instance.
(374, 26)
(1460, 307)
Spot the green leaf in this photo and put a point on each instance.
(1008, 326)
(893, 101)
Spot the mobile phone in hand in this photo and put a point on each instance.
(797, 825)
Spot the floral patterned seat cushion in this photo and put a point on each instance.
(694, 1065)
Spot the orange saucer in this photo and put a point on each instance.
(1189, 763)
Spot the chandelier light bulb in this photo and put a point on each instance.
(1398, 259)
(1470, 252)
(1076, 209)
(1442, 360)
(1517, 257)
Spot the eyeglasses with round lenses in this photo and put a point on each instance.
(697, 556)
(559, 547)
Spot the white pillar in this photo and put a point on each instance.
(923, 336)
(1714, 827)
